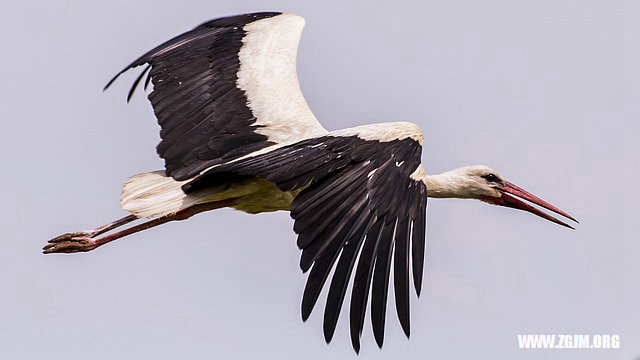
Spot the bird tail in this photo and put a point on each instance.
(153, 194)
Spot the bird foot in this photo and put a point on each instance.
(80, 241)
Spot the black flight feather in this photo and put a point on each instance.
(358, 205)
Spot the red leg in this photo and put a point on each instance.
(68, 243)
(112, 225)
(97, 231)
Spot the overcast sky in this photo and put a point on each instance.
(545, 92)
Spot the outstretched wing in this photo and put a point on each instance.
(225, 89)
(363, 194)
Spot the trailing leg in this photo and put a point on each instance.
(85, 240)
(95, 232)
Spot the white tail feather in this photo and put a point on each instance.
(154, 194)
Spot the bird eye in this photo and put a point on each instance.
(491, 178)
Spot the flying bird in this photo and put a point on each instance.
(236, 132)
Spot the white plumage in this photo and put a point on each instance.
(269, 78)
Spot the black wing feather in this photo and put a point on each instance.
(417, 242)
(401, 273)
(339, 283)
(359, 200)
(135, 83)
(204, 116)
(381, 283)
(319, 273)
(361, 282)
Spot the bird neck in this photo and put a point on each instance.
(446, 185)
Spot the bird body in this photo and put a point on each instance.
(154, 194)
(236, 132)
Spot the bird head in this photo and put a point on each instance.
(485, 184)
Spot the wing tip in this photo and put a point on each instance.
(406, 328)
(134, 86)
(113, 79)
(379, 339)
(305, 262)
(328, 331)
(355, 342)
(417, 284)
(305, 310)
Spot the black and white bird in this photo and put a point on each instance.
(236, 132)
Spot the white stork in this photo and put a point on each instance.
(237, 132)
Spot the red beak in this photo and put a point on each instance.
(512, 202)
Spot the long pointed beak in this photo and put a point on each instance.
(512, 202)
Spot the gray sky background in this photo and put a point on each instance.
(545, 92)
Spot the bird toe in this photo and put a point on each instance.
(69, 236)
(69, 245)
